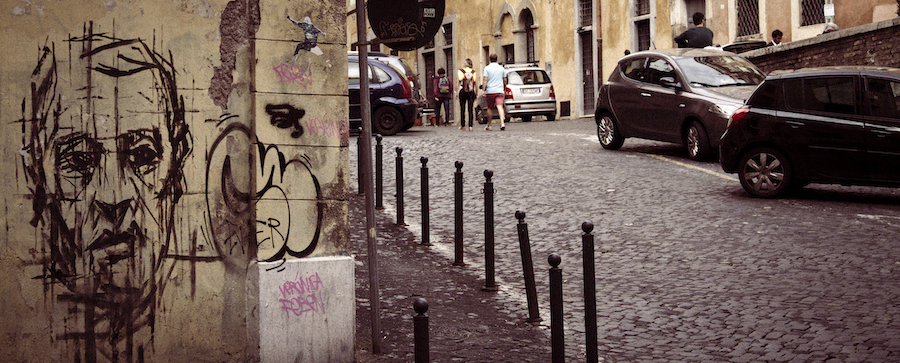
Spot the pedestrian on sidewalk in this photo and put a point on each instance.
(467, 87)
(443, 92)
(494, 84)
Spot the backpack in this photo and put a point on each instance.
(468, 82)
(443, 85)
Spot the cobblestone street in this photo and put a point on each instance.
(689, 268)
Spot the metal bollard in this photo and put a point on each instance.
(534, 315)
(379, 173)
(420, 331)
(590, 293)
(490, 283)
(458, 215)
(557, 337)
(399, 164)
(426, 237)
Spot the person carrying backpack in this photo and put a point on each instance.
(467, 96)
(443, 92)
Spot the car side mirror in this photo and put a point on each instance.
(670, 82)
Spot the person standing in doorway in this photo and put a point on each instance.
(466, 77)
(494, 83)
(443, 92)
(776, 38)
(697, 37)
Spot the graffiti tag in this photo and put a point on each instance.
(328, 127)
(302, 295)
(290, 73)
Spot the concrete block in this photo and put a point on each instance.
(307, 310)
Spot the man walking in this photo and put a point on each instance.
(494, 84)
(697, 37)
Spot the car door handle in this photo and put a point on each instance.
(881, 133)
(645, 94)
(795, 124)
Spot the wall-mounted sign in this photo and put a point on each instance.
(405, 24)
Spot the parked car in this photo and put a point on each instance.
(400, 64)
(529, 92)
(838, 125)
(393, 103)
(681, 96)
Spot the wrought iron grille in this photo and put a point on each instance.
(643, 34)
(448, 34)
(586, 7)
(641, 7)
(748, 17)
(812, 12)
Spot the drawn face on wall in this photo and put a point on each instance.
(104, 152)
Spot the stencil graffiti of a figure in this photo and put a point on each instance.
(104, 145)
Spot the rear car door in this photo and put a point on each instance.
(828, 121)
(625, 95)
(883, 129)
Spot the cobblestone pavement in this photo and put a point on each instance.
(689, 268)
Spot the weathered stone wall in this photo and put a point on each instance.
(871, 44)
(158, 160)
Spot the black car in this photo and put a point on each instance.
(838, 125)
(393, 102)
(681, 96)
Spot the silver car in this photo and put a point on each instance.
(681, 96)
(529, 92)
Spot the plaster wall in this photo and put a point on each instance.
(152, 154)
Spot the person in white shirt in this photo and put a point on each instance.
(494, 85)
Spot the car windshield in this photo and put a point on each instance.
(720, 71)
(528, 76)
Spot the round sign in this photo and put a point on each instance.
(405, 24)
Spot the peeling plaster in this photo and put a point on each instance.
(240, 20)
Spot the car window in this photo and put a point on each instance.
(768, 96)
(527, 77)
(660, 72)
(379, 76)
(632, 69)
(833, 94)
(719, 71)
(353, 73)
(884, 98)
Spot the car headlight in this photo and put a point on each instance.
(723, 109)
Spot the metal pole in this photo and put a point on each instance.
(366, 110)
(590, 293)
(534, 315)
(359, 164)
(557, 337)
(426, 220)
(490, 283)
(379, 173)
(420, 331)
(458, 215)
(399, 163)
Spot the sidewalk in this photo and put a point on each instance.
(466, 324)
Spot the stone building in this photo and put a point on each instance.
(174, 182)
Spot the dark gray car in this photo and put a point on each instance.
(681, 96)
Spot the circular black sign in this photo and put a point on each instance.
(405, 24)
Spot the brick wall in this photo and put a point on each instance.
(871, 44)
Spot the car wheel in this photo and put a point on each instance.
(526, 118)
(387, 121)
(481, 115)
(608, 132)
(765, 172)
(551, 117)
(697, 142)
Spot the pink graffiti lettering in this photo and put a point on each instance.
(328, 127)
(302, 295)
(294, 74)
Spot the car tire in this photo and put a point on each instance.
(765, 173)
(697, 141)
(480, 115)
(551, 117)
(387, 121)
(608, 132)
(526, 118)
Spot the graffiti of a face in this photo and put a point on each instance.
(104, 152)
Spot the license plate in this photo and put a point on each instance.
(531, 91)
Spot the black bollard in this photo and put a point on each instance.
(420, 330)
(359, 162)
(458, 215)
(490, 283)
(557, 337)
(379, 173)
(534, 315)
(590, 293)
(426, 237)
(399, 164)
